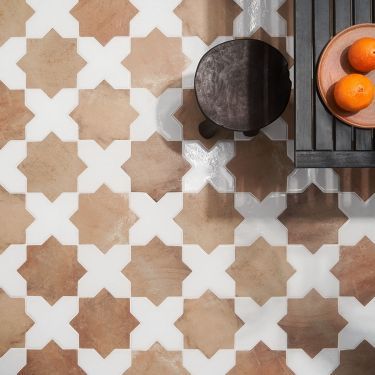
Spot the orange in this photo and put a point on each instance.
(354, 92)
(361, 55)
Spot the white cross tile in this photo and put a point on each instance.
(324, 178)
(13, 361)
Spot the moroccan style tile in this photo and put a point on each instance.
(51, 360)
(361, 360)
(163, 170)
(156, 360)
(13, 16)
(103, 219)
(104, 114)
(357, 180)
(355, 270)
(203, 324)
(261, 166)
(208, 218)
(51, 63)
(104, 323)
(156, 62)
(312, 218)
(13, 114)
(156, 271)
(312, 323)
(207, 19)
(261, 271)
(51, 270)
(190, 116)
(261, 360)
(14, 322)
(14, 219)
(286, 11)
(52, 167)
(104, 20)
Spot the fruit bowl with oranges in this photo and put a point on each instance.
(346, 76)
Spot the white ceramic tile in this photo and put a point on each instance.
(12, 361)
(277, 130)
(156, 323)
(324, 178)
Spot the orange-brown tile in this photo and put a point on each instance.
(208, 218)
(208, 19)
(190, 116)
(104, 323)
(261, 166)
(312, 323)
(261, 360)
(155, 361)
(104, 20)
(156, 271)
(286, 11)
(14, 322)
(14, 219)
(104, 114)
(313, 218)
(51, 63)
(52, 167)
(103, 219)
(359, 361)
(156, 62)
(156, 166)
(13, 114)
(356, 271)
(357, 180)
(52, 270)
(209, 324)
(260, 271)
(13, 17)
(52, 360)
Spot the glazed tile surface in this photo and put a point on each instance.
(129, 244)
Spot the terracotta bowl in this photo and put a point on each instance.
(334, 65)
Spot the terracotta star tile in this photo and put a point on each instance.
(156, 62)
(104, 20)
(208, 218)
(357, 180)
(286, 11)
(156, 271)
(208, 19)
(156, 360)
(51, 63)
(261, 360)
(52, 270)
(360, 361)
(13, 114)
(209, 324)
(313, 218)
(190, 116)
(104, 323)
(261, 166)
(14, 219)
(260, 271)
(13, 323)
(163, 170)
(312, 323)
(103, 218)
(356, 271)
(52, 167)
(13, 17)
(52, 360)
(104, 114)
(277, 42)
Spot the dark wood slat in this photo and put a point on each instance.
(362, 14)
(335, 159)
(323, 119)
(342, 20)
(303, 74)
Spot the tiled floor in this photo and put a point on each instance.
(129, 244)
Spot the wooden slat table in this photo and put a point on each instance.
(322, 141)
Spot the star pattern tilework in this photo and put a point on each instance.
(129, 244)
